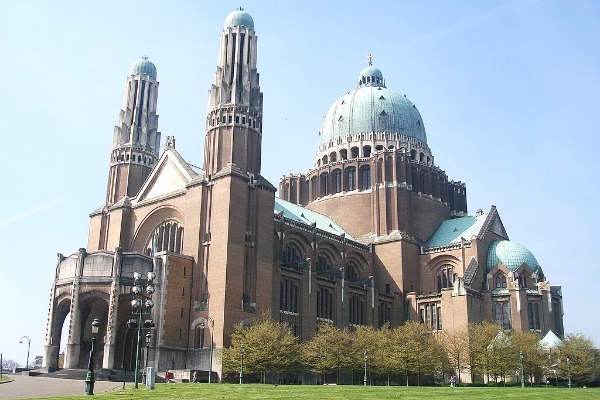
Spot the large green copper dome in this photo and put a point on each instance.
(239, 17)
(143, 67)
(372, 107)
(511, 255)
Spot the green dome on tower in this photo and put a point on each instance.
(239, 17)
(143, 67)
(511, 255)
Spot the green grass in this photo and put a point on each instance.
(251, 391)
(3, 378)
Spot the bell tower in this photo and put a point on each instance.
(136, 138)
(234, 120)
(237, 259)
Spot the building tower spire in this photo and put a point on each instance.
(136, 138)
(234, 120)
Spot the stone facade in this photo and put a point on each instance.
(375, 233)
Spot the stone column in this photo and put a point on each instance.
(113, 307)
(51, 350)
(73, 346)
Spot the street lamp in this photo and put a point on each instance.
(212, 326)
(569, 371)
(148, 336)
(241, 363)
(28, 347)
(365, 378)
(142, 299)
(522, 378)
(89, 378)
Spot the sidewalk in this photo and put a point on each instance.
(26, 387)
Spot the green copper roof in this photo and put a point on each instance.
(451, 230)
(550, 341)
(239, 17)
(372, 107)
(308, 217)
(510, 254)
(143, 67)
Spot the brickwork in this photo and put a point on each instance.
(221, 254)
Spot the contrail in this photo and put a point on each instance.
(29, 212)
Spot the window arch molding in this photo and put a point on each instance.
(443, 270)
(145, 230)
(299, 240)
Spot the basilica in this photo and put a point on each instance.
(373, 233)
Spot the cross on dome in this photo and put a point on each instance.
(370, 59)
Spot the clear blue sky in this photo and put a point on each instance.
(509, 92)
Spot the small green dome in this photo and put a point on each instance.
(511, 255)
(143, 67)
(239, 17)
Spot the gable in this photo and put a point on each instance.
(169, 176)
(497, 227)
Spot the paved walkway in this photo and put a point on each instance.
(26, 387)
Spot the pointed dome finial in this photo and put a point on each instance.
(370, 59)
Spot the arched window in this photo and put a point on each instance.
(365, 178)
(367, 151)
(500, 281)
(445, 278)
(522, 281)
(324, 264)
(351, 272)
(291, 255)
(350, 179)
(336, 181)
(167, 236)
(354, 152)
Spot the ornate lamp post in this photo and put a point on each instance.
(522, 378)
(212, 326)
(569, 371)
(241, 363)
(142, 299)
(28, 347)
(365, 377)
(89, 378)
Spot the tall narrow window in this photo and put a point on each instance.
(351, 178)
(324, 264)
(365, 176)
(336, 179)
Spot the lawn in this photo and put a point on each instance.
(251, 391)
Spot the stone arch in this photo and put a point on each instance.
(93, 304)
(150, 221)
(440, 273)
(299, 240)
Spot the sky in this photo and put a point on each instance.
(509, 92)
